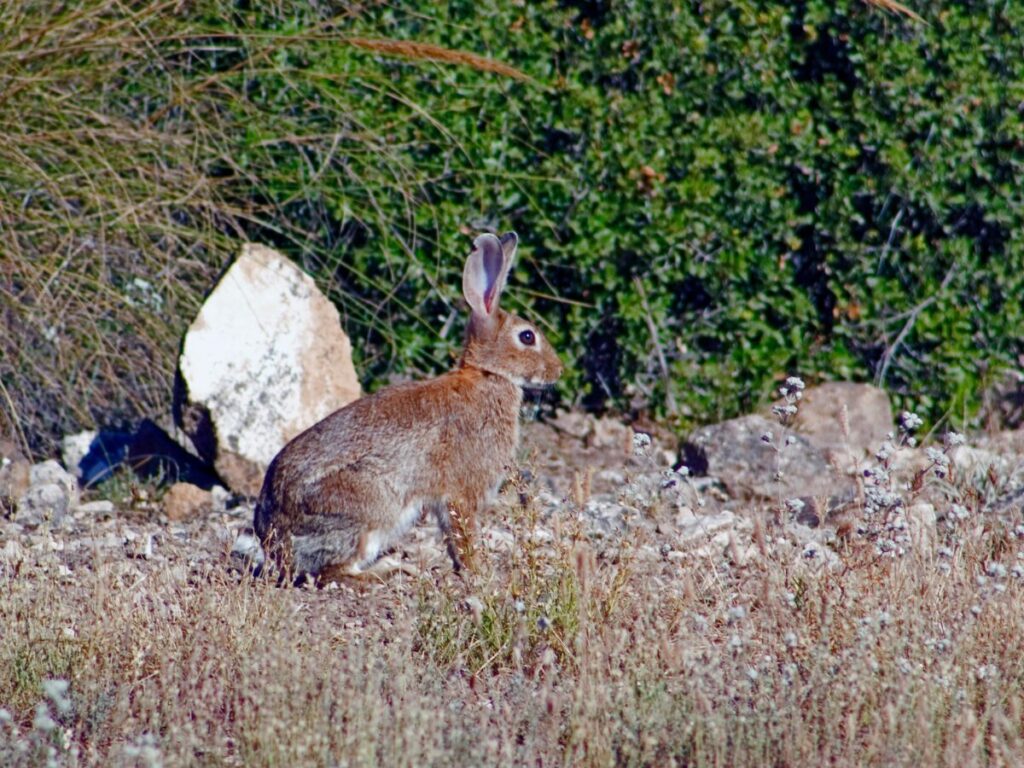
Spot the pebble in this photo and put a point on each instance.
(98, 508)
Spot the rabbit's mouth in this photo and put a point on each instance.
(535, 386)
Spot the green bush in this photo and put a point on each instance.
(709, 195)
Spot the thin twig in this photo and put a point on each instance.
(670, 398)
(907, 326)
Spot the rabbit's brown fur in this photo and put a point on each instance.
(346, 489)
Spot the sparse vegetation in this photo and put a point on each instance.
(565, 649)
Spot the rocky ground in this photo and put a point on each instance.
(760, 486)
(619, 592)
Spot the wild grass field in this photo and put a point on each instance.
(640, 647)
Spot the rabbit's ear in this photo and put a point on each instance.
(487, 267)
(509, 243)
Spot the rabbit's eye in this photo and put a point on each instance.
(527, 337)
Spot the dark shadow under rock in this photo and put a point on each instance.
(150, 453)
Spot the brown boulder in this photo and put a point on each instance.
(869, 418)
(735, 453)
(184, 501)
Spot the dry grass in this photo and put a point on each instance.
(566, 653)
(110, 228)
(897, 8)
(428, 52)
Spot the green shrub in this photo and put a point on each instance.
(709, 195)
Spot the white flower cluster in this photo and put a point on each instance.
(910, 421)
(792, 392)
(641, 443)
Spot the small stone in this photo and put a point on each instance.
(247, 547)
(612, 476)
(221, 497)
(667, 458)
(46, 503)
(475, 607)
(139, 547)
(184, 501)
(12, 553)
(107, 541)
(51, 494)
(702, 526)
(100, 508)
(51, 472)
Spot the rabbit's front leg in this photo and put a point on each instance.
(457, 521)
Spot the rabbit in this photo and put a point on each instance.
(343, 492)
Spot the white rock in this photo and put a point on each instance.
(974, 463)
(547, 501)
(698, 526)
(715, 548)
(264, 360)
(51, 472)
(221, 496)
(541, 535)
(52, 493)
(12, 553)
(74, 448)
(106, 541)
(613, 476)
(247, 547)
(921, 524)
(668, 458)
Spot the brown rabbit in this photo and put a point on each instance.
(344, 491)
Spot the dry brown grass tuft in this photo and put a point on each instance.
(898, 8)
(428, 52)
(110, 228)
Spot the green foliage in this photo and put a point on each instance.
(709, 195)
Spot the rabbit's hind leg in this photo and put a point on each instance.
(368, 562)
(368, 558)
(380, 568)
